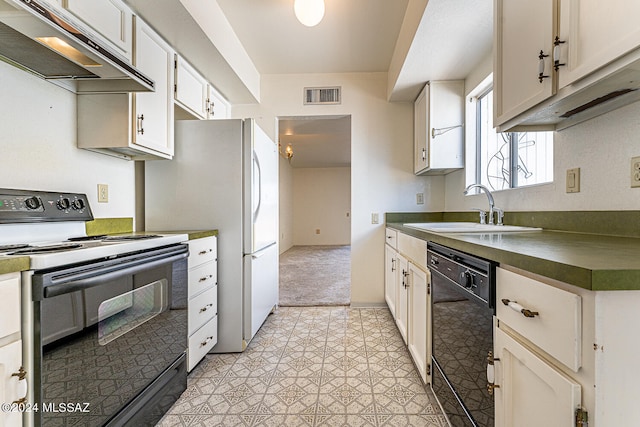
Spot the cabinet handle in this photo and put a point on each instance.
(556, 53)
(140, 124)
(424, 154)
(393, 265)
(205, 278)
(206, 341)
(205, 251)
(405, 283)
(208, 106)
(205, 308)
(520, 309)
(491, 373)
(541, 66)
(22, 387)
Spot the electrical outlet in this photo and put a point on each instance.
(103, 193)
(420, 198)
(635, 172)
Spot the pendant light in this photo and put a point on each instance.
(309, 12)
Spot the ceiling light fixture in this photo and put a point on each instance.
(309, 12)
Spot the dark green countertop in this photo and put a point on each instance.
(12, 264)
(590, 261)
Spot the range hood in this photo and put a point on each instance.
(48, 43)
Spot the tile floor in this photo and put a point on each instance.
(311, 366)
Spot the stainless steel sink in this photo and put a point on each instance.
(466, 227)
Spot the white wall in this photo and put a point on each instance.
(286, 205)
(38, 146)
(601, 147)
(381, 160)
(322, 201)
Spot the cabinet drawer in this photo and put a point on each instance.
(201, 342)
(10, 297)
(414, 249)
(557, 326)
(202, 250)
(202, 308)
(202, 277)
(391, 237)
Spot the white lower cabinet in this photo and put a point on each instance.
(407, 292)
(402, 298)
(203, 299)
(391, 275)
(13, 386)
(419, 334)
(532, 392)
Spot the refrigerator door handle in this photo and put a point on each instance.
(259, 186)
(261, 252)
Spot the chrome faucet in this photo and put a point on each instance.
(492, 207)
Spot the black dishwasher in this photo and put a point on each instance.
(463, 305)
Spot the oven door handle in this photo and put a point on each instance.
(102, 275)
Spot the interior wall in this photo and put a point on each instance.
(381, 161)
(38, 146)
(286, 205)
(321, 206)
(601, 147)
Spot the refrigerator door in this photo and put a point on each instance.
(260, 288)
(260, 189)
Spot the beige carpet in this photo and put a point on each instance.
(315, 275)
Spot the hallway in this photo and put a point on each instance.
(315, 276)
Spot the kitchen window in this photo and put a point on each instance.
(502, 160)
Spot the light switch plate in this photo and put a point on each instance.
(573, 180)
(420, 198)
(375, 218)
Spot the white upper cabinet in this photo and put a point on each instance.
(154, 110)
(195, 95)
(135, 126)
(523, 45)
(594, 33)
(438, 131)
(560, 62)
(109, 18)
(191, 89)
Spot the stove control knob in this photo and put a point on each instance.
(78, 204)
(63, 204)
(32, 203)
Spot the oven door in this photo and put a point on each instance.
(462, 337)
(110, 339)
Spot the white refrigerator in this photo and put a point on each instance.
(224, 176)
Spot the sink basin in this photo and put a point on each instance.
(466, 227)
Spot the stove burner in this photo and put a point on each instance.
(28, 250)
(86, 238)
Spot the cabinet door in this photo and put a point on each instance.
(523, 29)
(10, 390)
(218, 107)
(191, 89)
(154, 111)
(390, 277)
(531, 392)
(420, 125)
(110, 18)
(419, 316)
(595, 33)
(402, 299)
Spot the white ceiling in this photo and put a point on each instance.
(354, 35)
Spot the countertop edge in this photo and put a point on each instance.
(589, 279)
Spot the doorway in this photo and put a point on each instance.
(315, 210)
